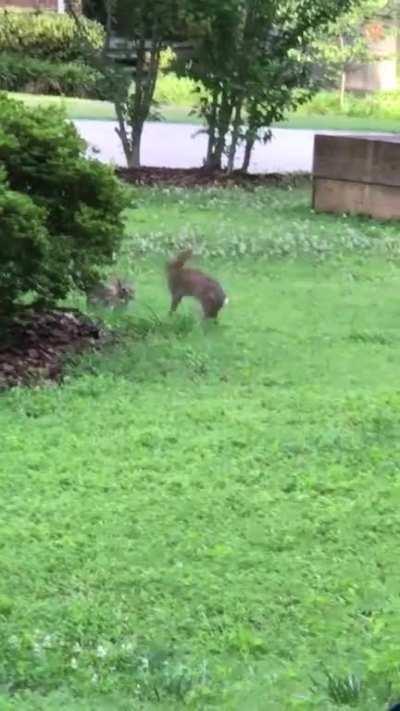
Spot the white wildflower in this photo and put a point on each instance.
(37, 649)
(145, 665)
(48, 641)
(101, 651)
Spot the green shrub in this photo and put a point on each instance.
(379, 105)
(46, 35)
(60, 213)
(23, 245)
(42, 76)
(325, 102)
(176, 91)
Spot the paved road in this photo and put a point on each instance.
(178, 146)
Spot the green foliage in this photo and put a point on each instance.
(172, 90)
(23, 247)
(250, 58)
(379, 105)
(346, 691)
(147, 28)
(206, 518)
(19, 72)
(46, 35)
(345, 41)
(72, 204)
(167, 18)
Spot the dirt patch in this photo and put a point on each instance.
(200, 177)
(35, 345)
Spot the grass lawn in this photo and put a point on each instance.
(208, 517)
(98, 110)
(103, 110)
(332, 122)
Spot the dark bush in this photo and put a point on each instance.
(60, 213)
(46, 35)
(42, 76)
(23, 246)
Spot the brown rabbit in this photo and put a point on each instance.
(183, 281)
(115, 293)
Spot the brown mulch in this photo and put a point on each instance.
(201, 177)
(35, 345)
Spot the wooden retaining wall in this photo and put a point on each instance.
(359, 175)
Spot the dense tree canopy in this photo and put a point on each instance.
(250, 58)
(249, 55)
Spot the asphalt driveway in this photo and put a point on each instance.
(181, 146)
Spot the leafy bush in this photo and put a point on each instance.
(379, 105)
(23, 245)
(46, 35)
(176, 91)
(42, 76)
(60, 213)
(325, 102)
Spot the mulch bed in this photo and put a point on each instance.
(35, 345)
(201, 177)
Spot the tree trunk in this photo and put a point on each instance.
(154, 66)
(134, 113)
(210, 144)
(247, 152)
(137, 132)
(223, 119)
(123, 134)
(140, 105)
(109, 23)
(212, 125)
(343, 90)
(214, 162)
(343, 77)
(237, 120)
(220, 142)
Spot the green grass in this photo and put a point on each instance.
(103, 110)
(98, 110)
(75, 108)
(336, 122)
(206, 517)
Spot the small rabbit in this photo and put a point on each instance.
(183, 281)
(113, 294)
